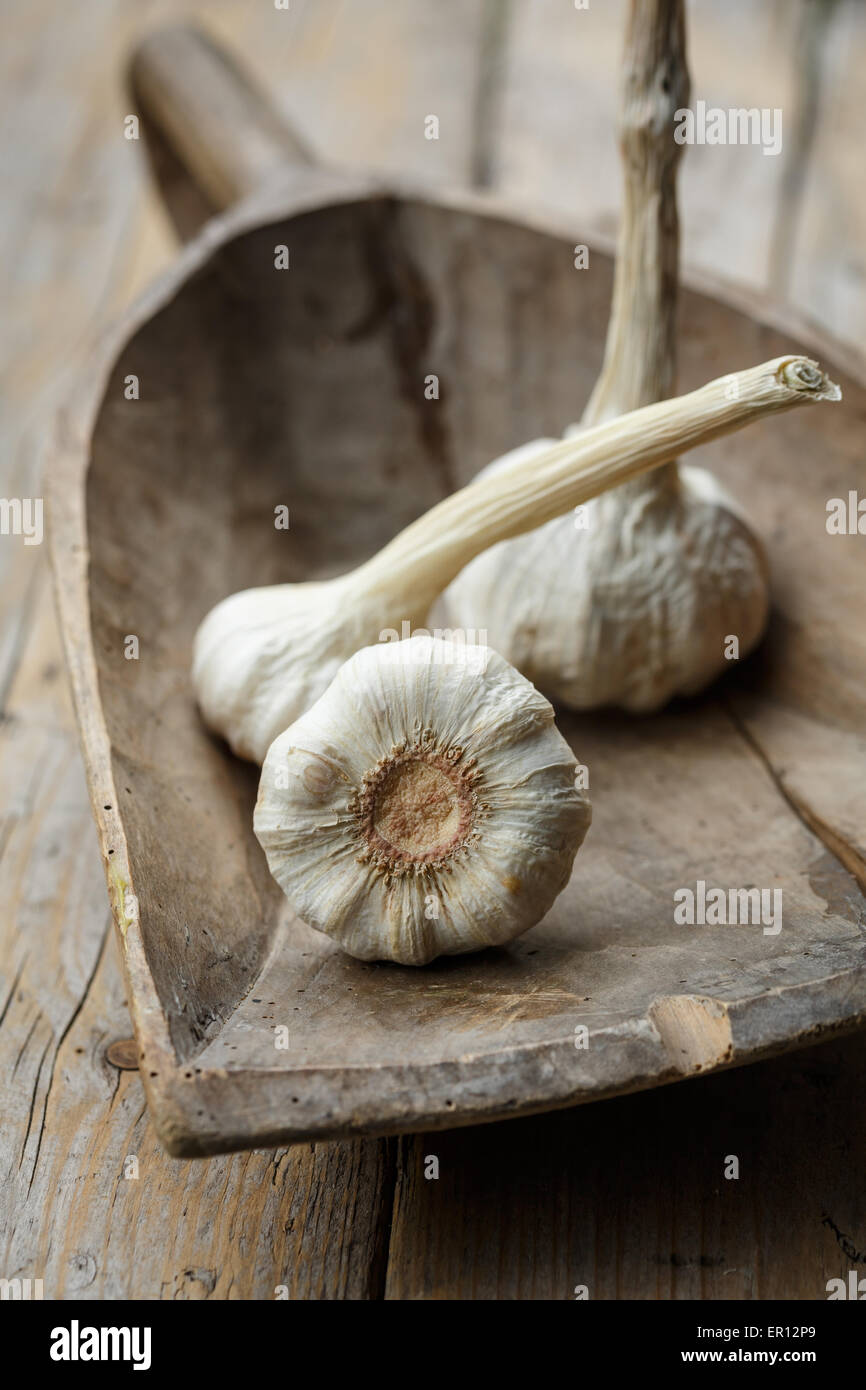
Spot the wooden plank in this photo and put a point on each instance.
(358, 78)
(557, 143)
(66, 251)
(828, 261)
(311, 1220)
(741, 56)
(629, 1198)
(74, 1209)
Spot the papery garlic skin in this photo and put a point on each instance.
(629, 604)
(641, 605)
(426, 805)
(262, 655)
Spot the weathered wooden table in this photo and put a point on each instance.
(627, 1197)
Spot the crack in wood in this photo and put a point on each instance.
(847, 855)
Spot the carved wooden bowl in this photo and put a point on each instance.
(305, 388)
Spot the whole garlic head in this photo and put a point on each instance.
(633, 601)
(263, 656)
(627, 603)
(426, 805)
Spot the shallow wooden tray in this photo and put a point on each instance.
(306, 388)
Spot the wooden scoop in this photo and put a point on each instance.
(235, 388)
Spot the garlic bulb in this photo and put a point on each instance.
(635, 600)
(262, 657)
(631, 611)
(426, 805)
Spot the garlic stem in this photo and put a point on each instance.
(640, 353)
(263, 656)
(426, 556)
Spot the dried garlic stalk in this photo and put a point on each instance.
(264, 656)
(637, 605)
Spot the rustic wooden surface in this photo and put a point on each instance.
(627, 1197)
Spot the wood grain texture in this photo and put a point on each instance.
(229, 136)
(629, 1198)
(827, 276)
(793, 222)
(74, 1211)
(312, 1220)
(79, 237)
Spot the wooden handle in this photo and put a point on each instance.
(223, 129)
